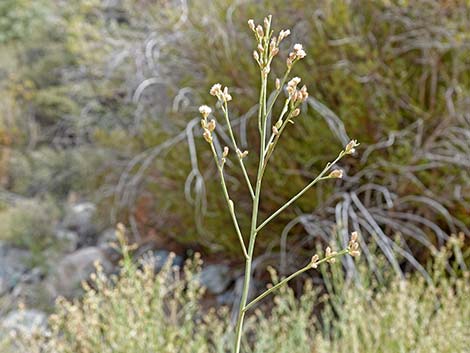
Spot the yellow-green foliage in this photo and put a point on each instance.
(30, 224)
(139, 313)
(27, 222)
(20, 18)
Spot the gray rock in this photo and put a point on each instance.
(68, 239)
(79, 218)
(76, 267)
(25, 322)
(227, 298)
(108, 242)
(32, 294)
(12, 266)
(108, 236)
(216, 278)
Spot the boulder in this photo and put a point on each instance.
(68, 240)
(12, 266)
(108, 236)
(80, 219)
(76, 267)
(216, 278)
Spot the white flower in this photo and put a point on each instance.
(215, 89)
(205, 110)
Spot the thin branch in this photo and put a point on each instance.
(229, 201)
(291, 277)
(303, 191)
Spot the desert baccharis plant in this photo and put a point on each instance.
(140, 311)
(267, 48)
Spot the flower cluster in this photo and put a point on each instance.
(268, 45)
(221, 94)
(207, 126)
(296, 95)
(295, 55)
(353, 247)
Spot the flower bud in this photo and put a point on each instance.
(207, 136)
(266, 71)
(251, 24)
(259, 31)
(283, 34)
(313, 261)
(353, 247)
(275, 130)
(295, 113)
(337, 173)
(278, 84)
(211, 125)
(351, 147)
(225, 152)
(242, 154)
(354, 236)
(225, 96)
(272, 44)
(266, 23)
(330, 253)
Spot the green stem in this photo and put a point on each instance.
(300, 193)
(229, 201)
(237, 151)
(291, 277)
(254, 218)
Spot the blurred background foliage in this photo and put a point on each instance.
(99, 99)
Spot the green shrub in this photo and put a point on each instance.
(138, 312)
(30, 224)
(368, 65)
